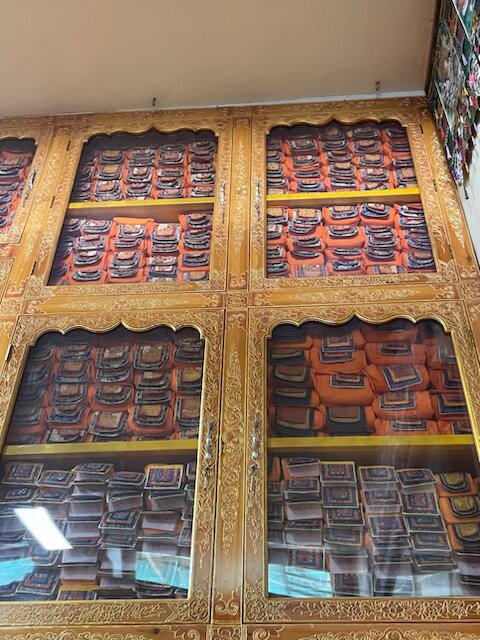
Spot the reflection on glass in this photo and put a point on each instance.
(102, 247)
(103, 530)
(360, 238)
(116, 523)
(119, 386)
(153, 165)
(16, 158)
(369, 238)
(385, 517)
(338, 157)
(393, 379)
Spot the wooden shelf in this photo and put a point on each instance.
(107, 450)
(345, 197)
(160, 209)
(356, 442)
(438, 452)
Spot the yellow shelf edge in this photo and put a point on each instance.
(335, 196)
(361, 442)
(121, 204)
(107, 448)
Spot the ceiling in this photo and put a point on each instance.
(62, 57)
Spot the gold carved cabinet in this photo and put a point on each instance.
(231, 355)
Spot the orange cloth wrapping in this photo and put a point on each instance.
(461, 509)
(356, 239)
(298, 243)
(454, 427)
(298, 416)
(396, 261)
(403, 404)
(391, 353)
(291, 357)
(441, 356)
(164, 429)
(336, 338)
(330, 219)
(401, 376)
(283, 395)
(98, 405)
(463, 478)
(406, 427)
(138, 276)
(332, 271)
(354, 362)
(400, 331)
(317, 258)
(451, 406)
(289, 375)
(387, 221)
(446, 379)
(469, 529)
(353, 254)
(344, 389)
(72, 276)
(383, 269)
(274, 469)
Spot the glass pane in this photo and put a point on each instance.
(168, 242)
(154, 165)
(369, 238)
(96, 513)
(16, 158)
(373, 478)
(339, 157)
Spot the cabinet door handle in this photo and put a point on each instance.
(255, 453)
(208, 455)
(223, 199)
(257, 199)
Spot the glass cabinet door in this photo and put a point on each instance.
(23, 151)
(108, 469)
(339, 196)
(142, 211)
(364, 475)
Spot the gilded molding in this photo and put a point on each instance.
(226, 632)
(196, 607)
(136, 123)
(260, 608)
(227, 606)
(42, 136)
(232, 448)
(349, 112)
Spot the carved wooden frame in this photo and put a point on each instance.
(195, 608)
(258, 607)
(42, 136)
(82, 129)
(410, 113)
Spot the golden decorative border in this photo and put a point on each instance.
(335, 632)
(407, 114)
(167, 121)
(42, 136)
(114, 633)
(196, 608)
(258, 607)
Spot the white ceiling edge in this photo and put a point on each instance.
(343, 98)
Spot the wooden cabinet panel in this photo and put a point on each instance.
(195, 607)
(258, 606)
(84, 129)
(408, 114)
